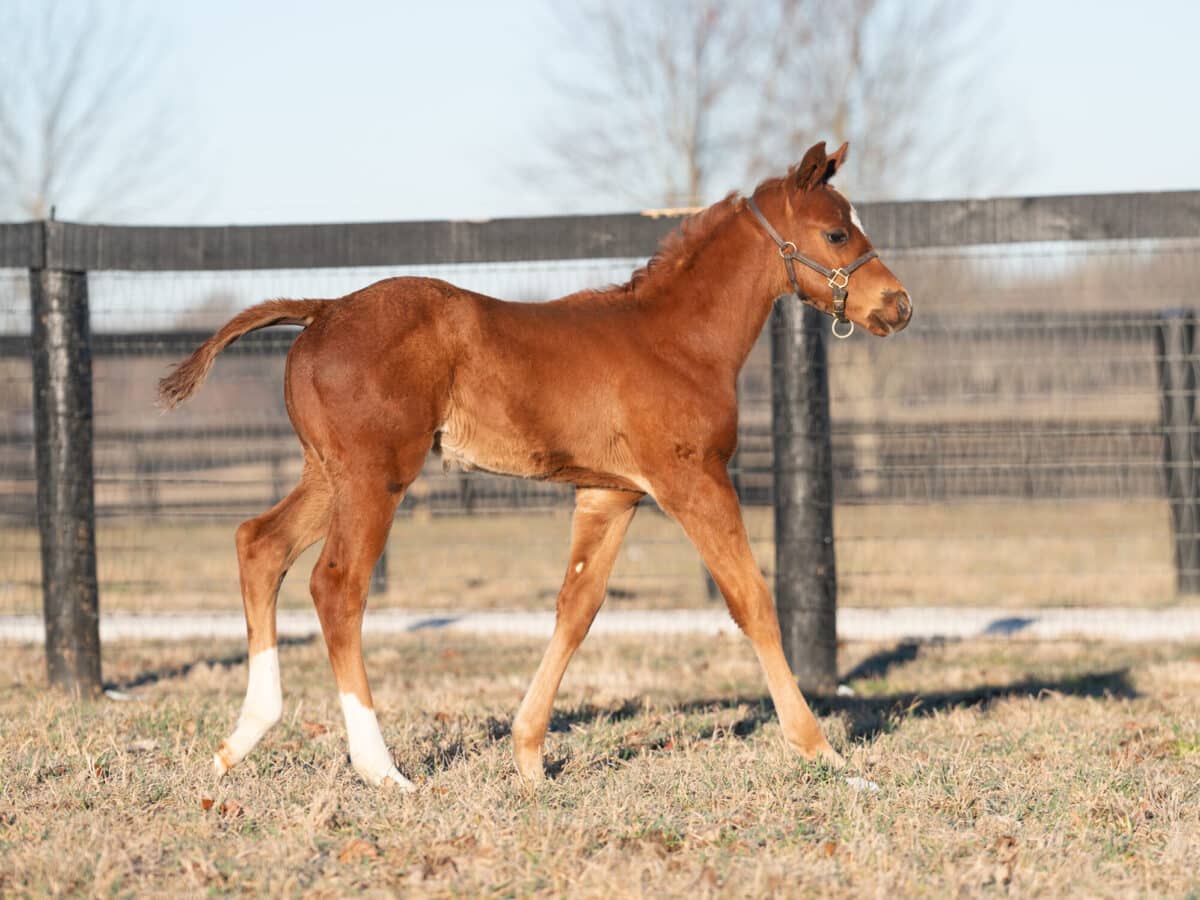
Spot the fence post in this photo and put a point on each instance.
(805, 572)
(62, 386)
(1175, 344)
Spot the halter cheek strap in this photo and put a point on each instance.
(838, 279)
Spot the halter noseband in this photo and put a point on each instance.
(838, 279)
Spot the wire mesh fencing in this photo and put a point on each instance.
(1007, 450)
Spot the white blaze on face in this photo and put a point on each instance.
(261, 709)
(368, 753)
(854, 219)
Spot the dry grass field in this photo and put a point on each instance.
(1064, 769)
(977, 554)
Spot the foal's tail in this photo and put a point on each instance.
(187, 377)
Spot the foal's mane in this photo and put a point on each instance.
(677, 250)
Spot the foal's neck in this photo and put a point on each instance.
(714, 299)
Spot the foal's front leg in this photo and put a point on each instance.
(707, 507)
(601, 520)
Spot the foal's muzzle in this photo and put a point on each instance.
(894, 314)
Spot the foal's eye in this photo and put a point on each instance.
(837, 237)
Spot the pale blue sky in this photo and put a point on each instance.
(368, 109)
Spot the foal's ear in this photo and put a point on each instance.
(817, 168)
(836, 160)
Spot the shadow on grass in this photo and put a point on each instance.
(877, 665)
(872, 716)
(868, 717)
(166, 673)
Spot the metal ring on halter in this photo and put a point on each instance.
(839, 335)
(783, 249)
(837, 274)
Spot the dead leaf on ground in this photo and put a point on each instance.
(313, 729)
(231, 809)
(206, 803)
(829, 848)
(357, 850)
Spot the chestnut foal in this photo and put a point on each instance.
(623, 392)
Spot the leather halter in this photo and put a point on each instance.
(838, 279)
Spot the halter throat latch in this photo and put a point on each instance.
(837, 279)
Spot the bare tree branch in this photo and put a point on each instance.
(682, 100)
(649, 86)
(80, 127)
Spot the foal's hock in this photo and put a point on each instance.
(623, 392)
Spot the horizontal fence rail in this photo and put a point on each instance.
(70, 246)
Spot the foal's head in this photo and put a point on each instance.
(818, 225)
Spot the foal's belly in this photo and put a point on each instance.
(506, 451)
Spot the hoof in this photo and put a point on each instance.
(821, 754)
(530, 768)
(831, 757)
(223, 760)
(532, 777)
(390, 779)
(394, 781)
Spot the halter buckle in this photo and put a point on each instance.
(839, 278)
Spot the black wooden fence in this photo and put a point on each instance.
(60, 255)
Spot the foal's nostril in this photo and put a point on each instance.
(904, 306)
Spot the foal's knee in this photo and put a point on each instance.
(256, 547)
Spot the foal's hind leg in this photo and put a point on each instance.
(362, 518)
(601, 519)
(707, 507)
(267, 546)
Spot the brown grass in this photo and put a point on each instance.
(1059, 769)
(1009, 555)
